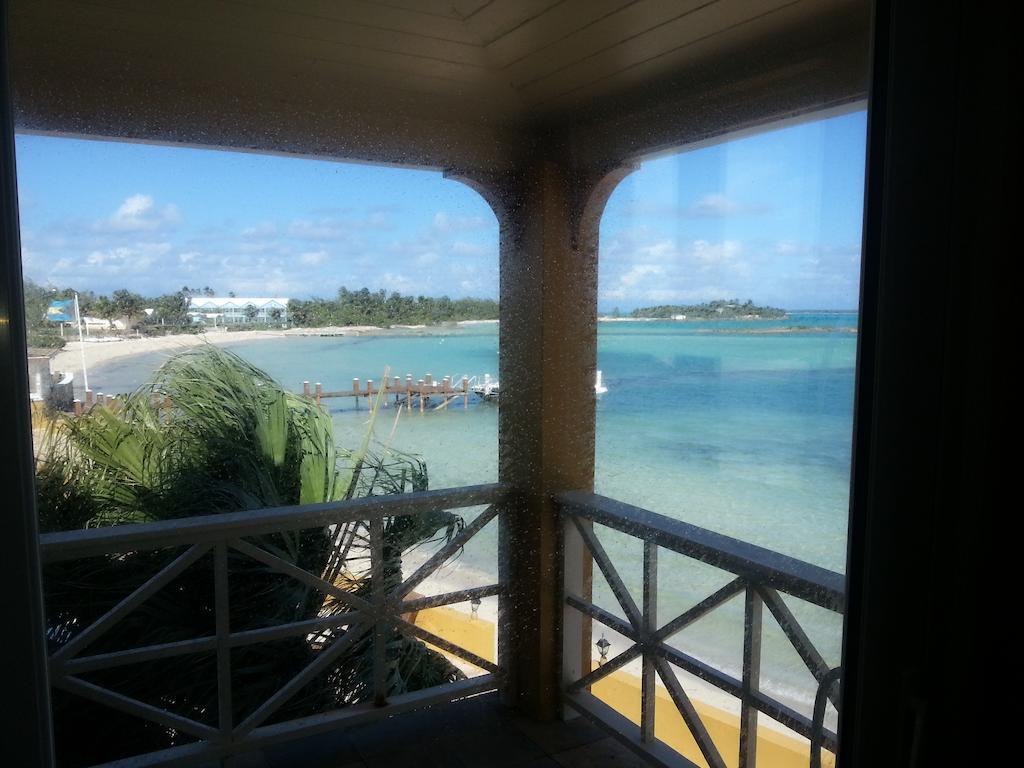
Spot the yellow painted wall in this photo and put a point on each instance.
(476, 635)
(621, 691)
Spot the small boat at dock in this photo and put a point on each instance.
(487, 388)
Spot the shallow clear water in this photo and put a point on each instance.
(721, 424)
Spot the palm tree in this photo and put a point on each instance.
(211, 434)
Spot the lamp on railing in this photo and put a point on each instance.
(602, 648)
(474, 606)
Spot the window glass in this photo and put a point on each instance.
(214, 332)
(313, 271)
(729, 285)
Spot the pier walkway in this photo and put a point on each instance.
(397, 391)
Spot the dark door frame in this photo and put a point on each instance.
(937, 196)
(936, 207)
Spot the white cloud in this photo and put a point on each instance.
(785, 273)
(308, 254)
(664, 271)
(322, 229)
(686, 295)
(638, 273)
(338, 227)
(376, 220)
(134, 207)
(787, 247)
(312, 258)
(258, 246)
(716, 253)
(139, 213)
(126, 258)
(447, 223)
(660, 250)
(463, 248)
(400, 283)
(264, 229)
(713, 205)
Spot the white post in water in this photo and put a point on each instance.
(81, 343)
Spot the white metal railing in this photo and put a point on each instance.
(760, 575)
(372, 618)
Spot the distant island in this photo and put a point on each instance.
(347, 312)
(722, 309)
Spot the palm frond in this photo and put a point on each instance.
(210, 433)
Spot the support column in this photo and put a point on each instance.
(549, 218)
(548, 352)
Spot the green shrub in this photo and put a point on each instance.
(46, 340)
(171, 330)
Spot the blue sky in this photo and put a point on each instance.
(774, 217)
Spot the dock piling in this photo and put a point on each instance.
(448, 389)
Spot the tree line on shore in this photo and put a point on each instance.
(170, 311)
(380, 308)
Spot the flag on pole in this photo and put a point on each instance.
(61, 311)
(81, 344)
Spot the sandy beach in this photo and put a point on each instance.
(102, 350)
(456, 575)
(97, 352)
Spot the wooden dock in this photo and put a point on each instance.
(411, 393)
(397, 391)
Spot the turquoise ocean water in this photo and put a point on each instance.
(722, 424)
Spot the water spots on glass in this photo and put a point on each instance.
(727, 316)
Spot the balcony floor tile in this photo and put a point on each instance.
(474, 733)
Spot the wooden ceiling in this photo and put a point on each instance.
(425, 82)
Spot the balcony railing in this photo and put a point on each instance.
(760, 575)
(374, 617)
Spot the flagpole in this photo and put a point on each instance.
(81, 344)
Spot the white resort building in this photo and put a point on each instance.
(233, 310)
